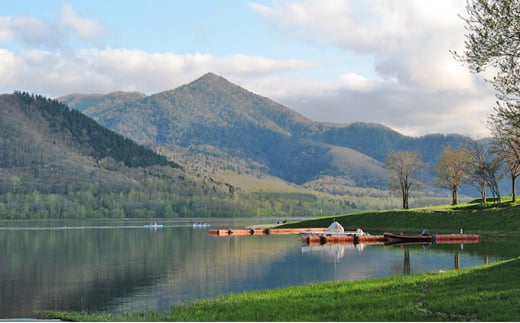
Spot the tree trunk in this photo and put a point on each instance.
(513, 188)
(483, 190)
(404, 195)
(454, 195)
(405, 201)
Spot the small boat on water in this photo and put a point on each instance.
(424, 237)
(427, 237)
(201, 225)
(153, 226)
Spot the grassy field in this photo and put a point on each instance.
(484, 293)
(471, 217)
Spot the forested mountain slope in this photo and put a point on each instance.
(214, 115)
(56, 162)
(91, 103)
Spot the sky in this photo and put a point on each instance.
(341, 61)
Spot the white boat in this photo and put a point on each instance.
(201, 225)
(153, 226)
(335, 229)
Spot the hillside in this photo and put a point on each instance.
(91, 103)
(214, 116)
(57, 163)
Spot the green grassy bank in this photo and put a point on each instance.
(472, 218)
(483, 293)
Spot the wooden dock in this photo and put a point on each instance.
(320, 239)
(319, 236)
(342, 239)
(262, 231)
(457, 238)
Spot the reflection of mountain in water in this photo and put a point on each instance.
(91, 269)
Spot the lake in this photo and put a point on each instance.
(121, 266)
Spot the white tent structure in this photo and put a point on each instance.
(335, 227)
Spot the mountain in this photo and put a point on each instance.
(59, 163)
(50, 148)
(213, 114)
(90, 104)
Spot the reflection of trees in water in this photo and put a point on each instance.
(74, 269)
(456, 258)
(406, 265)
(90, 269)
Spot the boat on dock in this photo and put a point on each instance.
(426, 237)
(336, 234)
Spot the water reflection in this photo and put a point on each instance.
(431, 256)
(123, 266)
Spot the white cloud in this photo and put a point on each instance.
(417, 88)
(110, 69)
(30, 32)
(410, 40)
(422, 88)
(33, 32)
(84, 27)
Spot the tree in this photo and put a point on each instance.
(493, 44)
(451, 170)
(493, 177)
(493, 41)
(478, 168)
(403, 168)
(508, 150)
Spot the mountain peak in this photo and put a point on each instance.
(210, 75)
(213, 79)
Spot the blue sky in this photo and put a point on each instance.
(340, 61)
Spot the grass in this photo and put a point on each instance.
(483, 293)
(471, 217)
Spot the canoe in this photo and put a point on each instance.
(401, 238)
(391, 238)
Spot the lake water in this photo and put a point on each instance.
(121, 266)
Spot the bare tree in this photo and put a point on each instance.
(452, 169)
(403, 169)
(493, 177)
(508, 150)
(477, 171)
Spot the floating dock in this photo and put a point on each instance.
(320, 239)
(264, 231)
(321, 236)
(457, 238)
